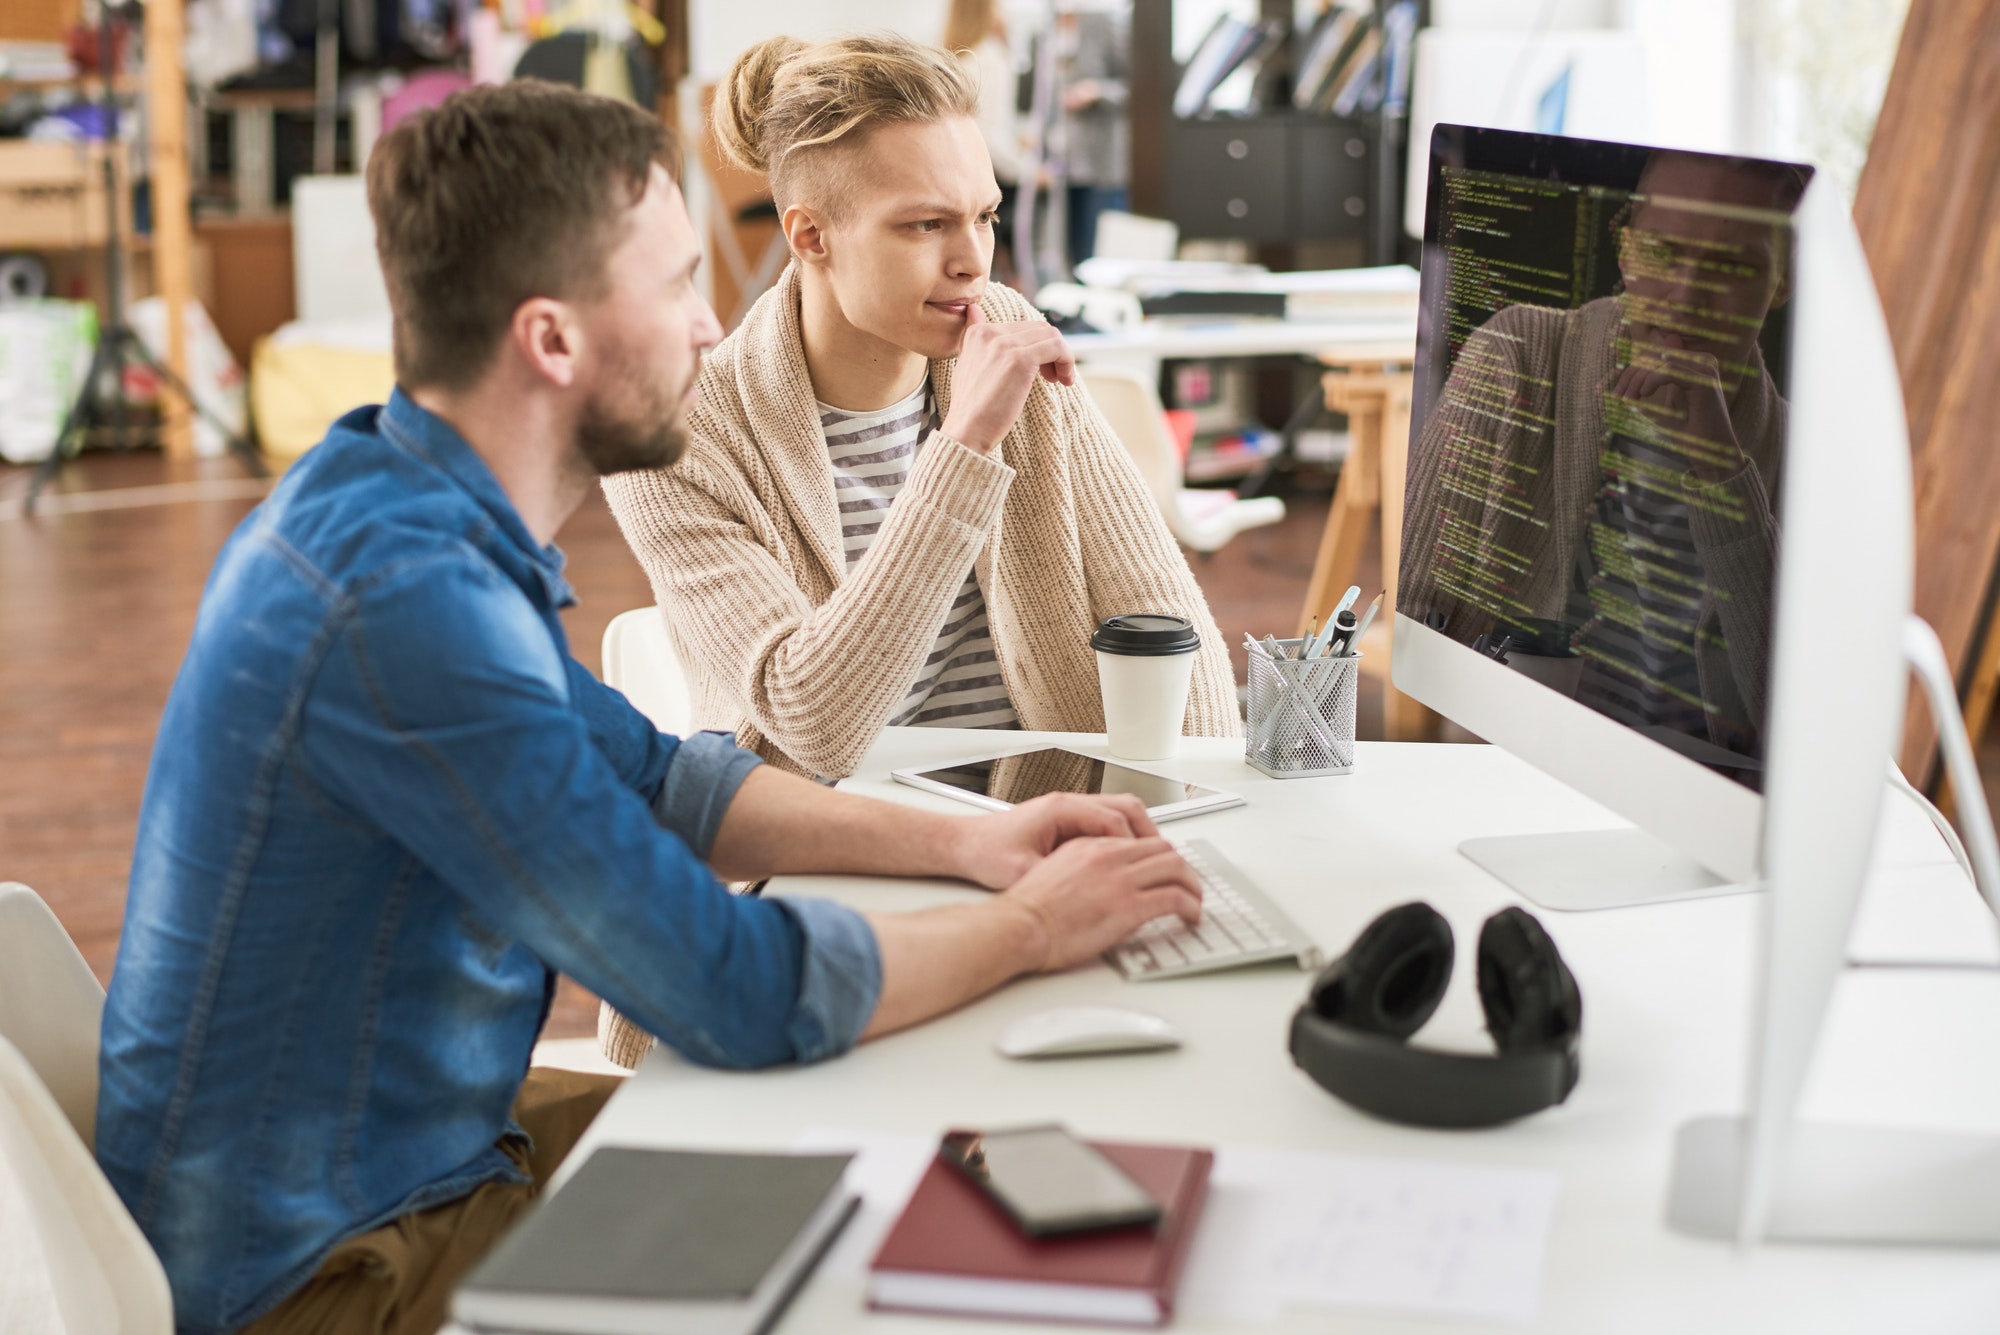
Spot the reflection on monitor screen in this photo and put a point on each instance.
(1600, 430)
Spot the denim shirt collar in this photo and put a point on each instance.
(422, 433)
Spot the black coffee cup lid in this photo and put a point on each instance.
(1142, 634)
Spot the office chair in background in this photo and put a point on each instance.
(640, 663)
(1203, 520)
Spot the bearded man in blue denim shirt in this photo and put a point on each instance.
(386, 806)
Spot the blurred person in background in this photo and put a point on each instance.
(976, 32)
(1091, 146)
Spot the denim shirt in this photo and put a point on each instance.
(384, 805)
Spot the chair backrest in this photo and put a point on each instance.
(1131, 404)
(640, 663)
(50, 1004)
(1132, 236)
(102, 1273)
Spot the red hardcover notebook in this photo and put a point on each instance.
(953, 1250)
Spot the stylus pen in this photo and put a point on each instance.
(1343, 635)
(1367, 620)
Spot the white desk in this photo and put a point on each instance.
(1393, 339)
(1666, 999)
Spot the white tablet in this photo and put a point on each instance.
(999, 782)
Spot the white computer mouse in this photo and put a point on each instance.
(1075, 1031)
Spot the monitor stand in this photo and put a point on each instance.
(1844, 1184)
(1579, 870)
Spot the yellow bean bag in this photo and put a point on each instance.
(299, 389)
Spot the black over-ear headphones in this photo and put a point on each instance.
(1351, 1035)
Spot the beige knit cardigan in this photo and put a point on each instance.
(806, 660)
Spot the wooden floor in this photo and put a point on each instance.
(97, 599)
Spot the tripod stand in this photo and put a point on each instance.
(102, 395)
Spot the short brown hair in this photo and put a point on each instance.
(786, 105)
(496, 196)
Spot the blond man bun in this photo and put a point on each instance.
(744, 98)
(786, 107)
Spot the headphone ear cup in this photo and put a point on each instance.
(1392, 977)
(1530, 996)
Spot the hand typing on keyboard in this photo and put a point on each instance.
(1238, 925)
(1092, 892)
(1000, 849)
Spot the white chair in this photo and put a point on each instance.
(50, 1004)
(102, 1273)
(1133, 236)
(640, 663)
(1202, 520)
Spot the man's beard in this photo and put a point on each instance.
(627, 444)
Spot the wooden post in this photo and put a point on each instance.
(1368, 384)
(1928, 211)
(173, 242)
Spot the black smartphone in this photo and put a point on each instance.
(1050, 1182)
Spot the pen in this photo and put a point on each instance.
(1320, 642)
(1367, 620)
(1348, 599)
(1343, 634)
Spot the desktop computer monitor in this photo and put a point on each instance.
(1598, 454)
(1657, 541)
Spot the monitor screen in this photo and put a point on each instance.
(1598, 438)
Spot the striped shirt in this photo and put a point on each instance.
(959, 685)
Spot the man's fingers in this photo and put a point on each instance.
(1063, 366)
(1185, 904)
(1135, 814)
(1078, 816)
(1160, 900)
(1166, 867)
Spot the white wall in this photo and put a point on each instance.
(724, 29)
(1692, 68)
(1554, 15)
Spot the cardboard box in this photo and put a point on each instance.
(52, 195)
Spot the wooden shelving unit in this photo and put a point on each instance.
(173, 232)
(164, 86)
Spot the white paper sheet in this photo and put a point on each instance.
(1388, 1234)
(1283, 1229)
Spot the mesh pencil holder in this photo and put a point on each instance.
(1301, 721)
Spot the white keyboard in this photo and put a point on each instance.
(1238, 926)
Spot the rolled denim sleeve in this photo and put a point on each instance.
(841, 980)
(701, 782)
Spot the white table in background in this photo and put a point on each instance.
(1167, 339)
(1667, 997)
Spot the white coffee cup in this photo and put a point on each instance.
(1145, 661)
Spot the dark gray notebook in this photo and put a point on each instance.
(664, 1225)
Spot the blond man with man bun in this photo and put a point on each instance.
(897, 505)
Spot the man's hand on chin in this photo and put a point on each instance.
(997, 850)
